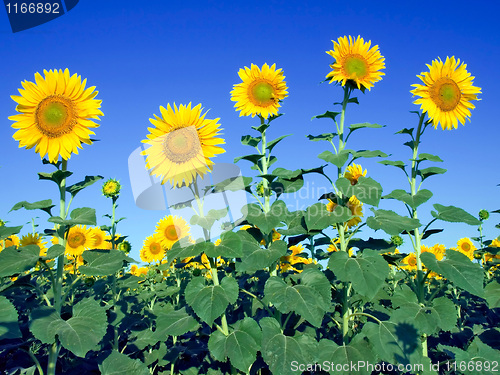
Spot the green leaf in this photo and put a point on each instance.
(14, 261)
(367, 273)
(79, 216)
(424, 318)
(209, 219)
(9, 326)
(447, 312)
(317, 217)
(54, 251)
(322, 137)
(280, 351)
(232, 184)
(398, 163)
(56, 176)
(296, 224)
(183, 249)
(482, 358)
(45, 205)
(209, 302)
(302, 299)
(229, 247)
(174, 323)
(431, 171)
(406, 131)
(89, 180)
(367, 190)
(287, 174)
(6, 232)
(254, 158)
(327, 114)
(390, 222)
(266, 222)
(339, 160)
(364, 125)
(353, 358)
(492, 294)
(274, 142)
(454, 215)
(102, 262)
(414, 201)
(120, 364)
(248, 140)
(369, 154)
(255, 257)
(79, 334)
(429, 157)
(241, 345)
(458, 269)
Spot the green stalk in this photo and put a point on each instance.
(113, 225)
(340, 128)
(264, 162)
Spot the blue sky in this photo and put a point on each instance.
(143, 55)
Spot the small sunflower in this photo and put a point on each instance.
(111, 188)
(10, 241)
(56, 114)
(74, 263)
(354, 172)
(125, 246)
(466, 247)
(447, 93)
(153, 250)
(356, 208)
(34, 239)
(170, 229)
(100, 239)
(439, 251)
(79, 239)
(287, 262)
(182, 144)
(355, 61)
(410, 262)
(260, 92)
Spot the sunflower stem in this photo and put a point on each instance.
(264, 162)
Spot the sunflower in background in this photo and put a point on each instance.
(171, 229)
(182, 144)
(34, 239)
(10, 241)
(260, 92)
(56, 114)
(355, 62)
(79, 239)
(466, 247)
(100, 239)
(152, 250)
(288, 262)
(447, 93)
(354, 172)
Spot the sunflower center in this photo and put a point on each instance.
(76, 240)
(355, 65)
(155, 248)
(446, 94)
(182, 145)
(55, 116)
(465, 247)
(261, 92)
(412, 262)
(171, 233)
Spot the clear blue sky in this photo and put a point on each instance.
(141, 55)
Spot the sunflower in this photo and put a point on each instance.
(34, 239)
(410, 262)
(466, 247)
(181, 144)
(111, 188)
(355, 61)
(153, 250)
(170, 229)
(287, 262)
(56, 114)
(74, 263)
(439, 251)
(100, 239)
(10, 241)
(447, 93)
(354, 172)
(260, 92)
(79, 239)
(354, 205)
(335, 246)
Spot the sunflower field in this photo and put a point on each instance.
(274, 291)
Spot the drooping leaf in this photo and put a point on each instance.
(424, 318)
(274, 142)
(413, 201)
(56, 176)
(429, 157)
(184, 249)
(390, 222)
(248, 140)
(322, 137)
(9, 326)
(447, 312)
(492, 294)
(431, 171)
(398, 163)
(454, 214)
(339, 159)
(364, 125)
(6, 232)
(54, 251)
(121, 364)
(45, 205)
(79, 216)
(174, 323)
(367, 190)
(14, 261)
(89, 180)
(351, 359)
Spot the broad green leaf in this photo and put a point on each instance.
(431, 171)
(425, 319)
(102, 262)
(54, 251)
(257, 258)
(79, 216)
(328, 114)
(9, 326)
(121, 364)
(339, 160)
(368, 154)
(266, 222)
(317, 217)
(390, 222)
(183, 249)
(45, 205)
(248, 140)
(209, 219)
(79, 334)
(478, 359)
(367, 190)
(322, 137)
(492, 294)
(229, 247)
(285, 186)
(454, 215)
(413, 201)
(429, 157)
(458, 269)
(351, 359)
(209, 302)
(6, 232)
(56, 176)
(232, 184)
(367, 273)
(398, 163)
(403, 294)
(406, 131)
(447, 312)
(302, 298)
(281, 352)
(364, 125)
(285, 173)
(274, 142)
(89, 180)
(254, 158)
(296, 224)
(241, 345)
(14, 261)
(174, 323)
